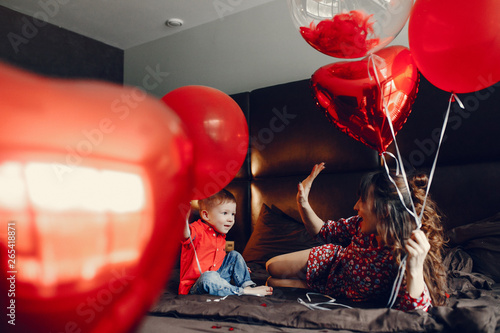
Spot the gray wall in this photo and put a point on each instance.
(252, 49)
(50, 50)
(256, 48)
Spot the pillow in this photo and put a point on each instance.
(481, 240)
(276, 233)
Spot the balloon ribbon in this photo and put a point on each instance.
(418, 218)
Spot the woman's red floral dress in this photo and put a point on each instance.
(351, 264)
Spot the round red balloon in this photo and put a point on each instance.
(456, 43)
(91, 189)
(354, 101)
(219, 131)
(349, 29)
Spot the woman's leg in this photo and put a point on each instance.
(288, 270)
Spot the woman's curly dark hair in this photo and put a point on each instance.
(396, 223)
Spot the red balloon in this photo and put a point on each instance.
(353, 100)
(349, 29)
(92, 179)
(346, 35)
(219, 132)
(456, 43)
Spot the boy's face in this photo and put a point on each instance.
(221, 217)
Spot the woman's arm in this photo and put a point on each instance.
(417, 247)
(311, 221)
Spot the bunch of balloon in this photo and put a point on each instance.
(369, 99)
(90, 187)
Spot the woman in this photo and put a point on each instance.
(362, 254)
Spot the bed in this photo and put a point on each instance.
(288, 135)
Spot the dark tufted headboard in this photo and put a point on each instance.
(289, 134)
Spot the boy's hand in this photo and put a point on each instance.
(187, 232)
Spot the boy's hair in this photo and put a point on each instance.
(218, 198)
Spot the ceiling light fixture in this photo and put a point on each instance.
(174, 22)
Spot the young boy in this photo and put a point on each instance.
(206, 240)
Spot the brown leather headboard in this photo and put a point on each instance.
(289, 134)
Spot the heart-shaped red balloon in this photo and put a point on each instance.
(353, 94)
(93, 179)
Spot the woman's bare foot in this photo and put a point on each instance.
(258, 291)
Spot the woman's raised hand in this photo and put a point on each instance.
(311, 221)
(305, 186)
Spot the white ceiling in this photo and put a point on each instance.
(128, 23)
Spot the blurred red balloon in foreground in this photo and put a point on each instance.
(354, 102)
(92, 177)
(219, 132)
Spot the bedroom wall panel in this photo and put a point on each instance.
(50, 50)
(471, 133)
(332, 196)
(243, 100)
(467, 193)
(241, 230)
(466, 182)
(290, 134)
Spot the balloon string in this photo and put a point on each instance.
(400, 195)
(402, 266)
(191, 242)
(395, 160)
(418, 219)
(320, 305)
(397, 282)
(389, 121)
(443, 129)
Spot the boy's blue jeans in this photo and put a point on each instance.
(218, 282)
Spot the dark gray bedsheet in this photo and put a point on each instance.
(474, 306)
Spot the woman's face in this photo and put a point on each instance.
(365, 210)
